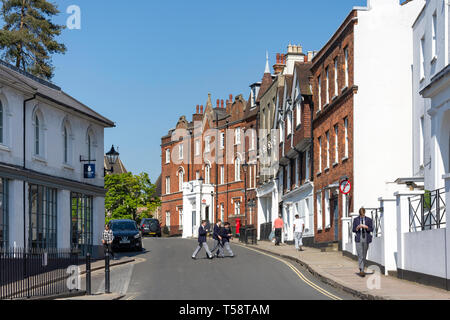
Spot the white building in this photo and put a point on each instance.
(46, 138)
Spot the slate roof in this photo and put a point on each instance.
(303, 74)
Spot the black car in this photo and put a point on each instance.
(126, 235)
(150, 227)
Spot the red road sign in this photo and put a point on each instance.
(345, 187)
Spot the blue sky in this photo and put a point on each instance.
(143, 64)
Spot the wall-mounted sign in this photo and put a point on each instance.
(89, 171)
(345, 187)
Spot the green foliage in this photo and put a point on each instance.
(427, 200)
(126, 193)
(27, 38)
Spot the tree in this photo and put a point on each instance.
(125, 193)
(28, 35)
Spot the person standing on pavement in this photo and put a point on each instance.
(226, 236)
(299, 228)
(279, 228)
(202, 232)
(217, 238)
(107, 240)
(363, 227)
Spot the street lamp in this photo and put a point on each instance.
(245, 168)
(112, 156)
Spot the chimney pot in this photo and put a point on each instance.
(201, 109)
(231, 98)
(218, 103)
(221, 102)
(197, 109)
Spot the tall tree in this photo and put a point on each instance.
(28, 35)
(125, 193)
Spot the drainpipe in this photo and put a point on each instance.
(24, 165)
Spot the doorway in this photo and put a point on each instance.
(335, 207)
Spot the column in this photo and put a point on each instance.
(16, 223)
(64, 223)
(447, 219)
(389, 232)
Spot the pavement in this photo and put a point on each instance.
(341, 272)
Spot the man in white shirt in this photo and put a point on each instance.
(299, 228)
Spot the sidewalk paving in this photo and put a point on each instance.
(341, 272)
(96, 297)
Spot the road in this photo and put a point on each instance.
(165, 271)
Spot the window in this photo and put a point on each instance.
(237, 136)
(180, 218)
(327, 86)
(237, 207)
(167, 185)
(422, 58)
(168, 219)
(207, 174)
(253, 139)
(328, 149)
(42, 217)
(346, 136)
(433, 36)
(346, 66)
(289, 124)
(4, 214)
(1, 123)
(237, 169)
(180, 151)
(298, 113)
(222, 140)
(288, 177)
(421, 141)
(336, 69)
(336, 144)
(180, 179)
(319, 211)
(320, 155)
(222, 174)
(37, 134)
(281, 131)
(167, 155)
(222, 212)
(197, 147)
(66, 145)
(319, 92)
(82, 222)
(207, 144)
(307, 165)
(327, 210)
(297, 171)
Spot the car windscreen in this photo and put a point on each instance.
(122, 226)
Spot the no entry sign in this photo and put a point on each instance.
(345, 187)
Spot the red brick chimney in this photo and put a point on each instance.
(218, 103)
(201, 109)
(279, 66)
(197, 109)
(221, 102)
(231, 98)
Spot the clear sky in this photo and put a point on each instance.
(145, 63)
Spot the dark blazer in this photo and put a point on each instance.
(368, 222)
(224, 233)
(216, 232)
(202, 234)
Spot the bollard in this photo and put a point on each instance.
(107, 288)
(88, 274)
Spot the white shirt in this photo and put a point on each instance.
(298, 225)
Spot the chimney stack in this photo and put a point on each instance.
(279, 66)
(218, 103)
(197, 109)
(231, 98)
(221, 102)
(201, 109)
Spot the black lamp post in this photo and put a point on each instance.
(112, 156)
(245, 168)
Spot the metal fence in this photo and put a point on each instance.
(427, 211)
(248, 233)
(266, 229)
(376, 215)
(36, 273)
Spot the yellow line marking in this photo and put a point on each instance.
(299, 274)
(132, 297)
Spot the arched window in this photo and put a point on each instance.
(237, 169)
(91, 144)
(66, 146)
(180, 179)
(2, 140)
(207, 173)
(37, 140)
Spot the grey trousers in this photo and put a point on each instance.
(227, 247)
(298, 240)
(216, 246)
(199, 247)
(361, 250)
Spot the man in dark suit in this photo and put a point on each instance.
(363, 227)
(202, 232)
(217, 237)
(226, 235)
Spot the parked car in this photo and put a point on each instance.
(150, 227)
(126, 235)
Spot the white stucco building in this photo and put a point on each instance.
(46, 138)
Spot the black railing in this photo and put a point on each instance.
(265, 230)
(248, 233)
(427, 211)
(37, 273)
(376, 214)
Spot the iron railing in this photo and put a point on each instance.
(427, 211)
(266, 229)
(32, 273)
(376, 215)
(248, 232)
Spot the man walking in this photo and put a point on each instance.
(226, 236)
(299, 228)
(107, 240)
(362, 226)
(217, 238)
(202, 241)
(279, 228)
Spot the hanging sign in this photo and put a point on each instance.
(89, 171)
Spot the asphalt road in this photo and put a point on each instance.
(169, 273)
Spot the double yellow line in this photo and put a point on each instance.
(299, 274)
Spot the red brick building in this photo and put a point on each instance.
(333, 91)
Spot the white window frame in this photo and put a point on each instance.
(222, 211)
(433, 37)
(168, 219)
(237, 136)
(422, 59)
(336, 83)
(197, 147)
(167, 156)
(346, 67)
(346, 136)
(319, 91)
(237, 169)
(222, 140)
(320, 155)
(336, 144)
(180, 179)
(319, 211)
(180, 151)
(328, 149)
(222, 174)
(167, 185)
(237, 207)
(207, 144)
(207, 174)
(298, 110)
(289, 124)
(180, 218)
(327, 210)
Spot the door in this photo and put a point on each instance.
(335, 208)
